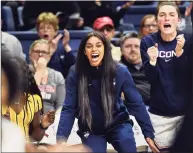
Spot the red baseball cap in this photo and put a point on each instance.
(102, 21)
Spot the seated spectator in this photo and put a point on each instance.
(106, 26)
(49, 81)
(12, 44)
(148, 25)
(62, 56)
(26, 110)
(131, 57)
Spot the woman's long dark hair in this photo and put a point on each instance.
(27, 81)
(107, 79)
(11, 73)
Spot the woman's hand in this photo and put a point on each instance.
(66, 40)
(48, 119)
(54, 44)
(152, 146)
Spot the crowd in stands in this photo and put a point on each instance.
(113, 70)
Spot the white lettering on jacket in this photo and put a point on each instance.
(167, 55)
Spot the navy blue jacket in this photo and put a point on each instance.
(169, 79)
(123, 83)
(61, 60)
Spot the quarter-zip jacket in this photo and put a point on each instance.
(123, 83)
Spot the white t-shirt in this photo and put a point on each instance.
(13, 140)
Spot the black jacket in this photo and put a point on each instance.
(140, 80)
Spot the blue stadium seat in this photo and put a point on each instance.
(8, 20)
(20, 18)
(136, 13)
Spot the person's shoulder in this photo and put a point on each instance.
(150, 37)
(6, 36)
(34, 97)
(73, 69)
(120, 67)
(35, 102)
(122, 72)
(72, 72)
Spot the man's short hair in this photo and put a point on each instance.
(48, 17)
(127, 36)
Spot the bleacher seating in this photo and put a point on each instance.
(27, 37)
(20, 18)
(7, 17)
(133, 16)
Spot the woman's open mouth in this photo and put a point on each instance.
(95, 57)
(167, 26)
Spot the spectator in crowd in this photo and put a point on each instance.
(148, 25)
(62, 56)
(27, 108)
(9, 88)
(49, 81)
(12, 44)
(106, 26)
(168, 71)
(91, 10)
(131, 57)
(93, 90)
(66, 9)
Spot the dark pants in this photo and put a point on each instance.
(121, 138)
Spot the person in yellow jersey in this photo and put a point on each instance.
(12, 138)
(27, 110)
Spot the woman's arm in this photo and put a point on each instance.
(150, 70)
(60, 90)
(69, 108)
(37, 132)
(135, 105)
(40, 124)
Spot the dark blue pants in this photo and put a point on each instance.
(121, 138)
